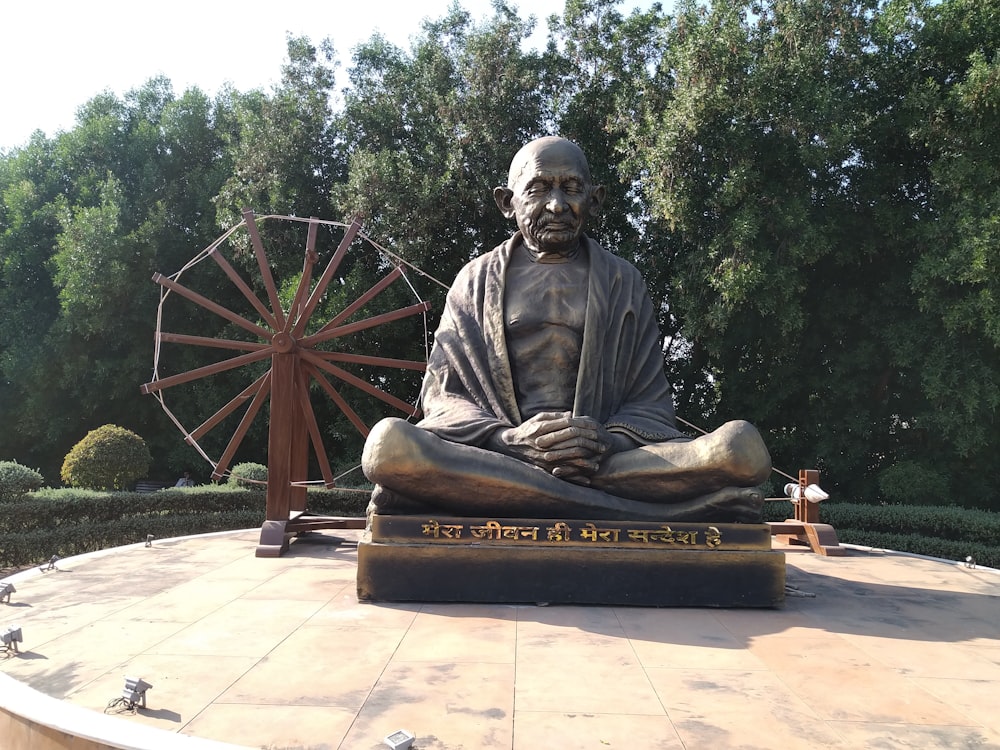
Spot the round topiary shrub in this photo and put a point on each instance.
(249, 476)
(16, 481)
(108, 458)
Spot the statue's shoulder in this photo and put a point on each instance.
(483, 264)
(615, 263)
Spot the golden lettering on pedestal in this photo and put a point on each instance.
(559, 532)
(591, 533)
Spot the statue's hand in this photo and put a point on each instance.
(569, 447)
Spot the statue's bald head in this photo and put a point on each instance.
(550, 194)
(548, 150)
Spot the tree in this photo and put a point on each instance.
(780, 146)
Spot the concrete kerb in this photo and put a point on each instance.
(26, 706)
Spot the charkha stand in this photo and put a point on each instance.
(503, 560)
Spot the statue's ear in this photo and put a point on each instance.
(597, 195)
(504, 197)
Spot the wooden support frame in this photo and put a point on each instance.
(805, 529)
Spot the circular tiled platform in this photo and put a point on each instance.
(892, 651)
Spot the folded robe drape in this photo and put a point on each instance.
(468, 391)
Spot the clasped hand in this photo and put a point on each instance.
(568, 447)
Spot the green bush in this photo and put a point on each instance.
(16, 481)
(108, 458)
(249, 476)
(913, 483)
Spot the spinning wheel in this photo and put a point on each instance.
(301, 354)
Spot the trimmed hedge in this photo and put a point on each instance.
(71, 521)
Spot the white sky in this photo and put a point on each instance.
(55, 55)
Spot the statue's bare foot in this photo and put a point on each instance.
(387, 502)
(731, 505)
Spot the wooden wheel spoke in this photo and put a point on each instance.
(213, 421)
(305, 407)
(211, 306)
(202, 372)
(265, 269)
(335, 396)
(241, 431)
(244, 288)
(181, 338)
(317, 293)
(363, 300)
(294, 312)
(375, 320)
(365, 359)
(358, 383)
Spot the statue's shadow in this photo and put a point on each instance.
(818, 604)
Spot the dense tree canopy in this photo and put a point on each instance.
(810, 188)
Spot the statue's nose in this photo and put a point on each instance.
(557, 202)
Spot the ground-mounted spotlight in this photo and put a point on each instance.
(399, 740)
(6, 589)
(50, 565)
(10, 638)
(149, 540)
(133, 695)
(970, 562)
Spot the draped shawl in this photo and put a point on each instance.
(468, 391)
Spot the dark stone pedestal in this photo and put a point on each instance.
(444, 559)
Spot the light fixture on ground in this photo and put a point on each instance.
(133, 695)
(399, 740)
(6, 589)
(149, 540)
(51, 565)
(10, 638)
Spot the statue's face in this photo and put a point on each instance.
(550, 195)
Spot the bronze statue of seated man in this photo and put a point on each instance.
(545, 395)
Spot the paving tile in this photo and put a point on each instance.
(65, 664)
(913, 737)
(561, 620)
(843, 683)
(187, 602)
(345, 609)
(319, 583)
(461, 633)
(284, 727)
(48, 620)
(448, 706)
(730, 709)
(245, 627)
(182, 687)
(927, 659)
(585, 676)
(975, 699)
(605, 731)
(319, 666)
(684, 638)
